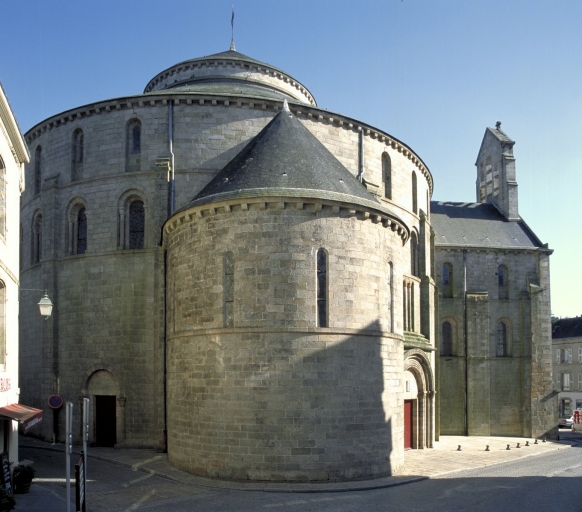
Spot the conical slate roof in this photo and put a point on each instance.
(285, 156)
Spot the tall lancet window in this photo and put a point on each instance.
(321, 288)
(228, 289)
(414, 193)
(136, 225)
(133, 146)
(387, 175)
(81, 231)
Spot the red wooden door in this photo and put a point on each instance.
(407, 424)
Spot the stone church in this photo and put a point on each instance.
(257, 285)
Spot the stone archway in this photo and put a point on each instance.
(419, 389)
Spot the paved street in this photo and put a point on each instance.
(549, 480)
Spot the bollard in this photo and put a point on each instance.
(508, 448)
(536, 441)
(544, 440)
(486, 447)
(459, 448)
(527, 443)
(518, 446)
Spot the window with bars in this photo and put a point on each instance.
(81, 231)
(502, 348)
(228, 289)
(321, 288)
(136, 225)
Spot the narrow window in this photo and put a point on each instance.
(501, 340)
(569, 355)
(2, 323)
(36, 255)
(564, 354)
(37, 169)
(81, 231)
(414, 194)
(558, 356)
(502, 282)
(77, 155)
(2, 198)
(414, 255)
(321, 288)
(580, 355)
(133, 146)
(565, 382)
(447, 280)
(228, 289)
(136, 225)
(387, 175)
(447, 335)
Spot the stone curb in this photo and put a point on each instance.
(298, 488)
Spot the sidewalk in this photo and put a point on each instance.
(419, 464)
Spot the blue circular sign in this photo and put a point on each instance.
(55, 401)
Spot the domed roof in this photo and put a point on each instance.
(286, 157)
(233, 73)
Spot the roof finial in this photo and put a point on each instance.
(285, 106)
(498, 125)
(232, 48)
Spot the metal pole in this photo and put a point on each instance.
(69, 450)
(85, 433)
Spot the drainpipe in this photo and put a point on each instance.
(171, 206)
(465, 397)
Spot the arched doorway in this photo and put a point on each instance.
(418, 401)
(103, 392)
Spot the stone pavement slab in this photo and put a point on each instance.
(444, 458)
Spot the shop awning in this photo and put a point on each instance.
(28, 417)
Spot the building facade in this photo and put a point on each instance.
(13, 156)
(567, 344)
(239, 277)
(495, 360)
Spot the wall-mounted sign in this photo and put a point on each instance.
(55, 401)
(5, 383)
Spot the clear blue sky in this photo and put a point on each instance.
(433, 73)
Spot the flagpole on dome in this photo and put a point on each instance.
(232, 48)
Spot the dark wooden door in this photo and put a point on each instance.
(407, 424)
(105, 434)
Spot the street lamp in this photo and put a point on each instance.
(45, 305)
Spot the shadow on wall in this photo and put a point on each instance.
(286, 406)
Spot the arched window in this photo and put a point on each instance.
(133, 146)
(81, 231)
(77, 155)
(502, 285)
(2, 323)
(37, 169)
(447, 280)
(321, 288)
(447, 339)
(136, 225)
(414, 267)
(36, 245)
(2, 199)
(501, 335)
(414, 194)
(387, 175)
(228, 289)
